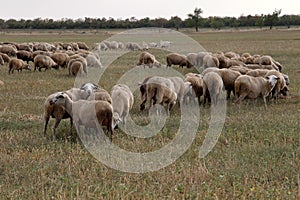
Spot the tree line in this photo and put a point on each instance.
(194, 20)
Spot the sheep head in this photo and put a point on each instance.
(89, 87)
(272, 79)
(59, 99)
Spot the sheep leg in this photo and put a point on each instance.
(228, 94)
(46, 120)
(240, 98)
(265, 101)
(57, 121)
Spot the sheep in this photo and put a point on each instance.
(147, 58)
(60, 58)
(17, 64)
(158, 89)
(25, 47)
(189, 94)
(165, 44)
(268, 60)
(133, 46)
(179, 88)
(281, 86)
(100, 94)
(43, 61)
(40, 47)
(243, 70)
(5, 57)
(59, 112)
(78, 58)
(196, 59)
(36, 53)
(198, 85)
(25, 56)
(231, 55)
(222, 60)
(153, 45)
(93, 61)
(246, 55)
(210, 61)
(121, 45)
(214, 87)
(257, 72)
(234, 62)
(122, 102)
(228, 76)
(256, 66)
(252, 87)
(9, 50)
(1, 61)
(177, 59)
(87, 113)
(82, 45)
(76, 68)
(90, 87)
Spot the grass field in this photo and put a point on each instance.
(257, 155)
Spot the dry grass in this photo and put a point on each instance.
(257, 155)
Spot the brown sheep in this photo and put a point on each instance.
(36, 53)
(61, 59)
(257, 72)
(177, 59)
(76, 68)
(24, 47)
(42, 61)
(77, 58)
(25, 56)
(17, 64)
(87, 113)
(9, 50)
(82, 45)
(281, 85)
(252, 87)
(5, 57)
(210, 61)
(198, 85)
(243, 70)
(147, 58)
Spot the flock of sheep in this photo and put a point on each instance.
(246, 76)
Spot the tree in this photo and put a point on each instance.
(271, 20)
(196, 17)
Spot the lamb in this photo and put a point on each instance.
(252, 87)
(210, 61)
(60, 58)
(87, 113)
(43, 61)
(17, 64)
(59, 112)
(25, 56)
(147, 58)
(158, 89)
(214, 87)
(122, 102)
(177, 59)
(198, 85)
(8, 50)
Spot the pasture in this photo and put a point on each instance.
(257, 155)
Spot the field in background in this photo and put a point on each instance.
(257, 155)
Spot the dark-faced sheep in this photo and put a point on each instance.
(42, 61)
(17, 64)
(253, 87)
(178, 59)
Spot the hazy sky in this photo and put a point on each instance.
(57, 9)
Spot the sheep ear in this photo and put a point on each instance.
(139, 84)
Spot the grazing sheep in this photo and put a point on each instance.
(76, 68)
(93, 61)
(196, 59)
(268, 60)
(231, 55)
(25, 56)
(147, 58)
(40, 47)
(157, 90)
(234, 62)
(60, 58)
(228, 76)
(78, 58)
(281, 86)
(243, 70)
(58, 111)
(100, 94)
(5, 57)
(179, 88)
(165, 44)
(82, 45)
(177, 59)
(17, 64)
(197, 83)
(83, 111)
(210, 61)
(133, 46)
(256, 66)
(43, 61)
(8, 50)
(252, 87)
(257, 72)
(121, 45)
(25, 47)
(90, 87)
(36, 53)
(214, 87)
(222, 60)
(122, 102)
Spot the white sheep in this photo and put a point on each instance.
(214, 86)
(122, 102)
(252, 87)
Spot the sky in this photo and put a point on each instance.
(118, 9)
